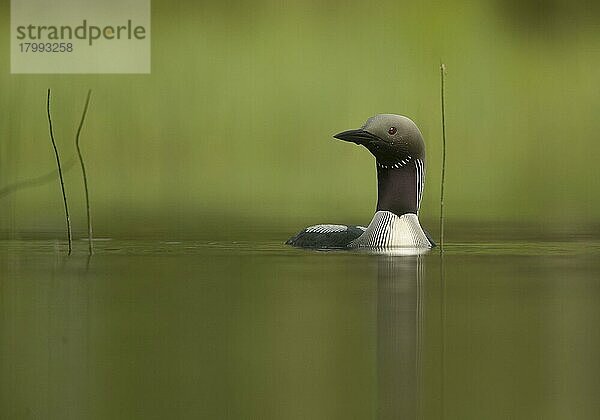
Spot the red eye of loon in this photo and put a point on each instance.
(392, 131)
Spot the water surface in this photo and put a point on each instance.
(236, 330)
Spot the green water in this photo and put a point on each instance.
(235, 122)
(258, 330)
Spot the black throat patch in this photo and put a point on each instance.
(400, 186)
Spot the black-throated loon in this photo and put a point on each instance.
(399, 151)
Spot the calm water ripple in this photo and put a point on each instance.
(230, 330)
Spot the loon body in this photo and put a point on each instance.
(399, 150)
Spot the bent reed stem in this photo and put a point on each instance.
(60, 175)
(84, 173)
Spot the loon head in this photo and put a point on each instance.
(399, 151)
(392, 139)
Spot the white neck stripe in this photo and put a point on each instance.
(397, 165)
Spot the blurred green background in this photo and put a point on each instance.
(231, 133)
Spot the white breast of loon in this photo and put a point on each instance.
(388, 230)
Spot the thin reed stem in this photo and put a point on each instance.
(60, 175)
(443, 178)
(83, 171)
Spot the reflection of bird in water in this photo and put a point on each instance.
(399, 318)
(399, 150)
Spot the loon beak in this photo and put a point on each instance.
(359, 136)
